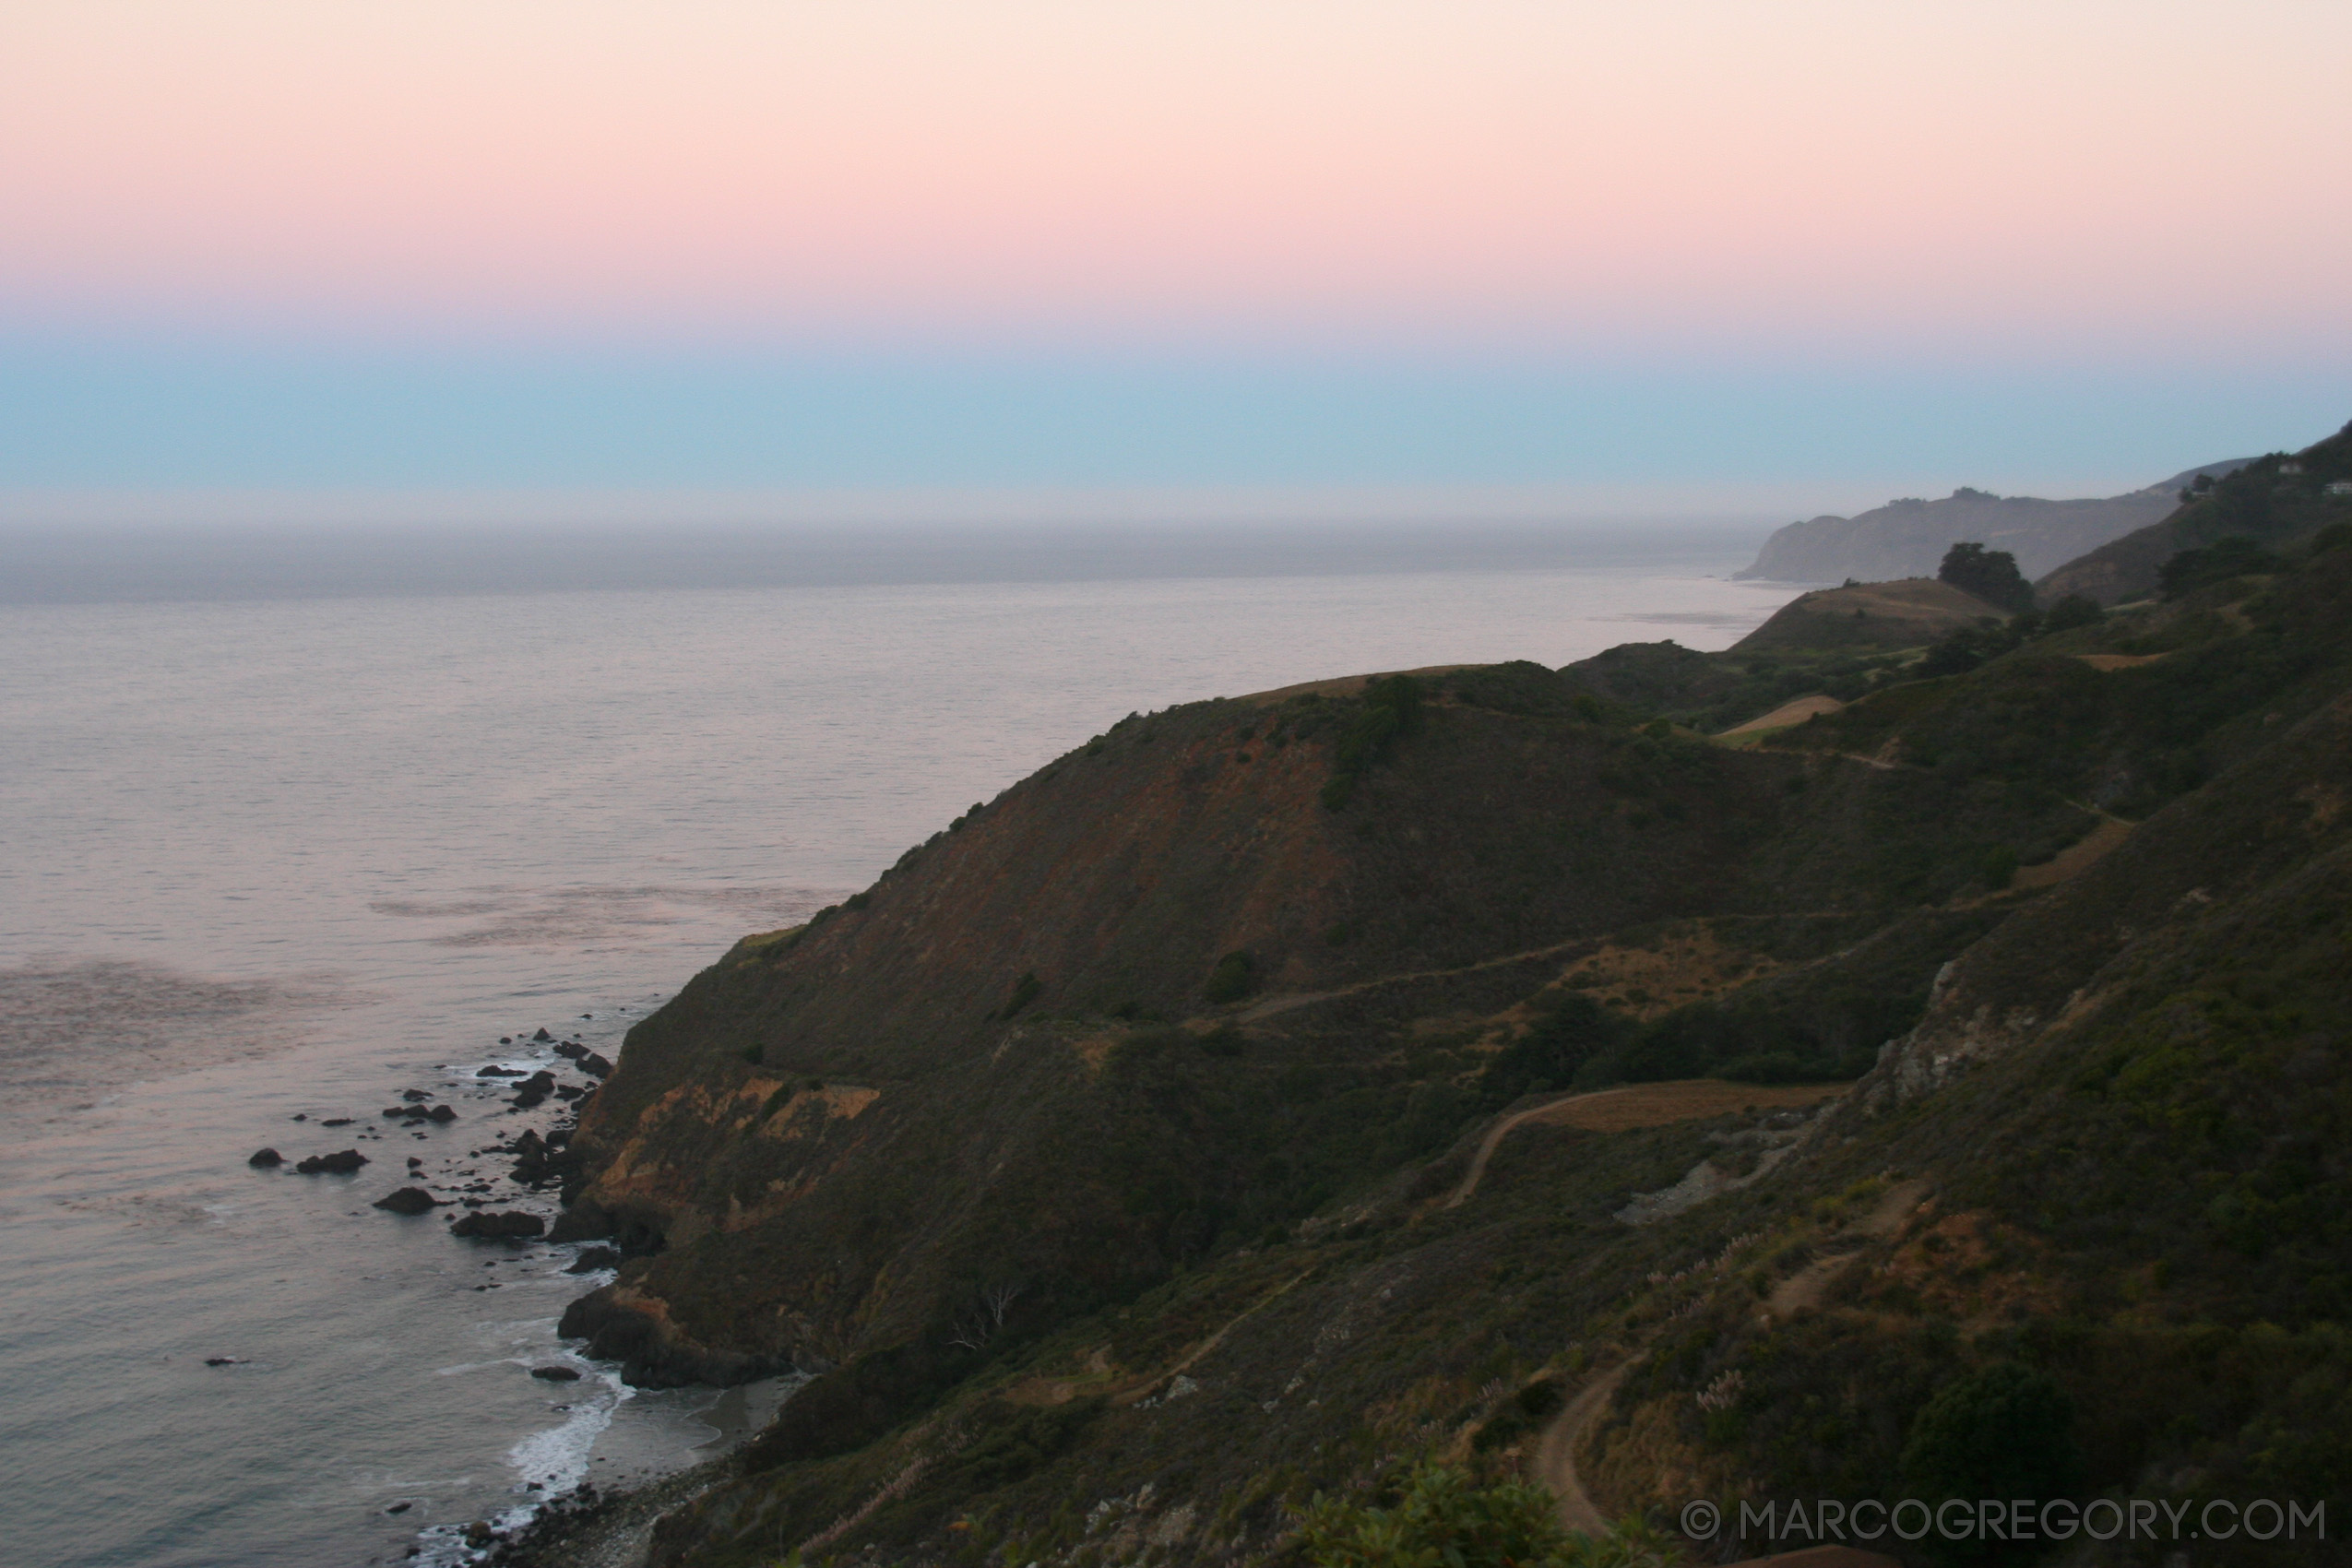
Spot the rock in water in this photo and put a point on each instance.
(597, 1064)
(408, 1200)
(594, 1259)
(542, 1038)
(511, 1225)
(556, 1374)
(532, 1090)
(341, 1164)
(266, 1158)
(441, 1114)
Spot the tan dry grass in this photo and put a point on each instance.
(1686, 1099)
(1688, 963)
(1788, 713)
(2076, 858)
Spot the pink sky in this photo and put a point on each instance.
(1654, 178)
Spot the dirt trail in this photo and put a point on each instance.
(1638, 1105)
(1809, 1285)
(1274, 1005)
(1097, 1379)
(1556, 1453)
(1555, 1457)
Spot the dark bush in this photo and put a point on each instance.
(2235, 556)
(2073, 611)
(2003, 1430)
(1025, 991)
(1234, 977)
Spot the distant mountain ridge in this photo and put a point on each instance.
(1908, 537)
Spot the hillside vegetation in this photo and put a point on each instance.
(1140, 1157)
(2269, 501)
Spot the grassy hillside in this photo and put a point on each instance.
(1144, 1155)
(1324, 920)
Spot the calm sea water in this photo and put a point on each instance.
(286, 858)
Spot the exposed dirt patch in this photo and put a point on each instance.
(1691, 964)
(2118, 660)
(1686, 1099)
(2076, 858)
(1640, 1105)
(1964, 1268)
(1809, 1287)
(809, 1109)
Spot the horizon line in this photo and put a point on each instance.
(1712, 503)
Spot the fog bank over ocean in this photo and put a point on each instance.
(49, 558)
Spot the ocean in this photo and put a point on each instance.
(314, 834)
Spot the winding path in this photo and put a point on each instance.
(1637, 1105)
(1556, 1453)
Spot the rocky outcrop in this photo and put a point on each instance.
(407, 1201)
(620, 1324)
(2185, 881)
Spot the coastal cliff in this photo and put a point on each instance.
(1908, 537)
(937, 1087)
(1560, 1074)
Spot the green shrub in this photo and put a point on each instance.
(1391, 709)
(2073, 611)
(1234, 977)
(2004, 1429)
(2235, 556)
(1442, 1519)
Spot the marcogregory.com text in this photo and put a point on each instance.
(2011, 1520)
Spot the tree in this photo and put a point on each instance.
(1991, 575)
(2002, 1431)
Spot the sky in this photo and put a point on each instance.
(1673, 254)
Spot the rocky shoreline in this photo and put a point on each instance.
(601, 1528)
